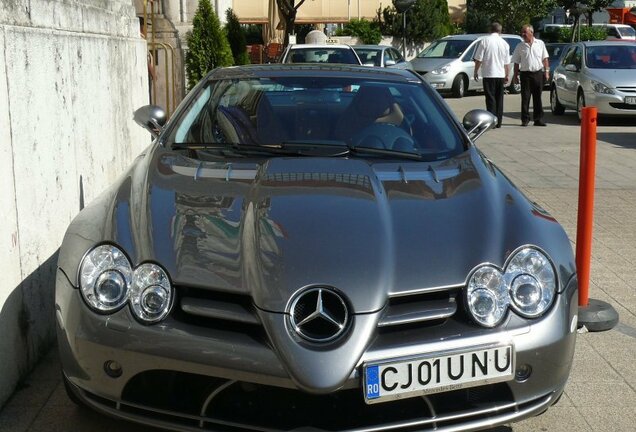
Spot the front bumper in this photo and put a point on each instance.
(440, 82)
(613, 104)
(231, 360)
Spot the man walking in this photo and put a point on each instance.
(492, 56)
(531, 64)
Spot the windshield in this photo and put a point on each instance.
(451, 48)
(322, 55)
(627, 32)
(611, 57)
(324, 112)
(555, 50)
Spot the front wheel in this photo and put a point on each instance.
(459, 86)
(555, 105)
(580, 104)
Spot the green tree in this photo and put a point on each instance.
(512, 14)
(591, 6)
(236, 38)
(367, 31)
(476, 20)
(208, 47)
(288, 10)
(427, 20)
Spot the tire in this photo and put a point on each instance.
(555, 105)
(459, 86)
(580, 104)
(514, 88)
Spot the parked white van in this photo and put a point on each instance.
(618, 31)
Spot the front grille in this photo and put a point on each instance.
(420, 309)
(194, 402)
(631, 89)
(622, 106)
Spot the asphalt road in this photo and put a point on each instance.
(543, 162)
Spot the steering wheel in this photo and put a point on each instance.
(384, 136)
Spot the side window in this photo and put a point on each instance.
(569, 57)
(577, 57)
(468, 56)
(512, 43)
(387, 56)
(611, 31)
(396, 55)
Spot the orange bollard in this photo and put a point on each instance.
(595, 315)
(585, 221)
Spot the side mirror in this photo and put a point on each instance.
(478, 121)
(151, 117)
(571, 68)
(389, 63)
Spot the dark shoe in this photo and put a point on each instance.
(524, 123)
(539, 123)
(498, 126)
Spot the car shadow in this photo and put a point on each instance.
(548, 117)
(620, 139)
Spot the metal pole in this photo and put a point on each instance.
(404, 35)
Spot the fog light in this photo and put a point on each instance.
(523, 373)
(154, 299)
(112, 369)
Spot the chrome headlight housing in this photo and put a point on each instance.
(150, 293)
(105, 275)
(487, 296)
(599, 87)
(527, 285)
(108, 282)
(532, 282)
(441, 70)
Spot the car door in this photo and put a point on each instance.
(468, 67)
(568, 78)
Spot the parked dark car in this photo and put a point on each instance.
(315, 247)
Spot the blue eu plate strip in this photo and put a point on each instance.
(373, 382)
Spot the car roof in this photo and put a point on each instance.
(611, 42)
(475, 36)
(312, 69)
(321, 46)
(379, 47)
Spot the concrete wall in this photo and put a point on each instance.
(71, 74)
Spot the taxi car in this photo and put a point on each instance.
(315, 247)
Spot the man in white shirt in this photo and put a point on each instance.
(531, 64)
(492, 56)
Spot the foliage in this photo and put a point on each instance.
(254, 34)
(588, 33)
(288, 10)
(367, 31)
(427, 20)
(476, 20)
(512, 14)
(208, 47)
(236, 38)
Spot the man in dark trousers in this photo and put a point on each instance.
(493, 58)
(531, 64)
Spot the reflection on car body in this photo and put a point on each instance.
(597, 73)
(315, 247)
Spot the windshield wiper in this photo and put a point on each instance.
(235, 148)
(345, 149)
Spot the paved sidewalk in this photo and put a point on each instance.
(543, 162)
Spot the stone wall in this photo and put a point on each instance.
(71, 74)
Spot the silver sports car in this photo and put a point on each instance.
(315, 247)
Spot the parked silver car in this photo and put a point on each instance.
(447, 64)
(315, 247)
(382, 56)
(600, 74)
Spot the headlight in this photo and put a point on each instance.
(442, 70)
(528, 285)
(105, 274)
(487, 296)
(151, 293)
(532, 282)
(599, 87)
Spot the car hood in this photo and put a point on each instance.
(429, 64)
(269, 228)
(614, 77)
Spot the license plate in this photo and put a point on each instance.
(438, 372)
(630, 100)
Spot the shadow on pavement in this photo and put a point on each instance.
(620, 139)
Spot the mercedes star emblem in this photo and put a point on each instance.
(319, 315)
